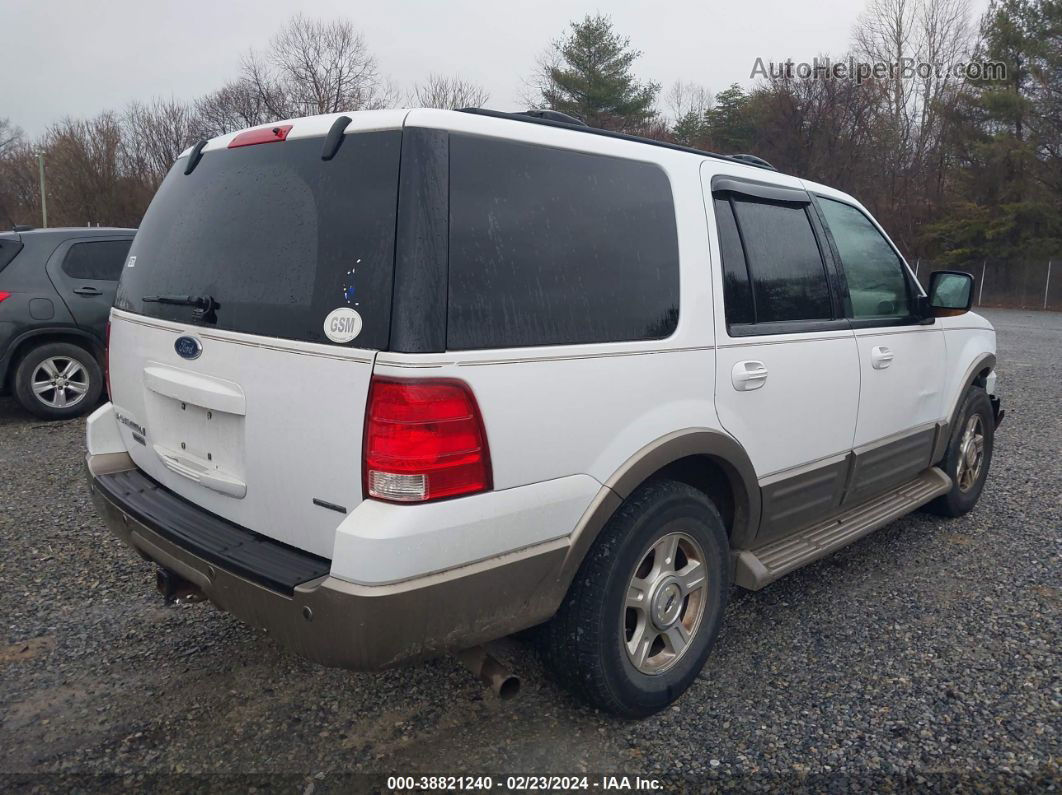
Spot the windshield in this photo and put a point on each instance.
(274, 238)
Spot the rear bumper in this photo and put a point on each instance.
(342, 624)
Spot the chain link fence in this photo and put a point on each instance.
(1014, 285)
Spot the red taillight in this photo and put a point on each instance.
(424, 440)
(263, 135)
(4, 296)
(107, 359)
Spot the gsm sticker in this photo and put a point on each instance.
(343, 324)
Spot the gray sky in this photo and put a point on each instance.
(72, 57)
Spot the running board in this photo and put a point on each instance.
(763, 565)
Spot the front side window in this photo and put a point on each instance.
(555, 247)
(99, 260)
(876, 281)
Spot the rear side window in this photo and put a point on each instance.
(553, 247)
(278, 237)
(99, 260)
(875, 274)
(785, 265)
(737, 290)
(9, 248)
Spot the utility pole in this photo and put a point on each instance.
(44, 201)
(1047, 283)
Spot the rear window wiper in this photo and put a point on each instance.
(205, 305)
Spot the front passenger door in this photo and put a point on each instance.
(901, 358)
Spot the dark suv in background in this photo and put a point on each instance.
(56, 291)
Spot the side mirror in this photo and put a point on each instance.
(950, 293)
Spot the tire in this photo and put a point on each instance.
(81, 381)
(587, 641)
(974, 412)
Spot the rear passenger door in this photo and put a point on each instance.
(787, 379)
(901, 354)
(85, 271)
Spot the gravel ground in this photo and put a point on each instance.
(926, 655)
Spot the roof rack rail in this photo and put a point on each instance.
(552, 118)
(753, 160)
(552, 115)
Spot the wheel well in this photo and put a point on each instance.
(981, 379)
(29, 343)
(711, 476)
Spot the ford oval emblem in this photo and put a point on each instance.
(188, 347)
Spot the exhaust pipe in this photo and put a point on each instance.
(492, 673)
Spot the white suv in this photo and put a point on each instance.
(403, 382)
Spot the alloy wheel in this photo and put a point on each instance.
(665, 603)
(60, 382)
(971, 453)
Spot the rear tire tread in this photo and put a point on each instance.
(578, 640)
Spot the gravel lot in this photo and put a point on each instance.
(927, 654)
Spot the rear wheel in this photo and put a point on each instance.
(968, 456)
(643, 612)
(58, 380)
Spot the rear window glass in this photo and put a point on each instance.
(737, 292)
(277, 237)
(99, 260)
(784, 261)
(553, 247)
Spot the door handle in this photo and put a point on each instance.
(87, 291)
(880, 357)
(748, 375)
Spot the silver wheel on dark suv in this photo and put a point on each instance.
(58, 380)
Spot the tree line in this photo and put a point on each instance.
(957, 168)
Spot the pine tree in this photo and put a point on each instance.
(588, 74)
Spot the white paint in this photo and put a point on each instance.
(101, 432)
(295, 440)
(560, 420)
(381, 542)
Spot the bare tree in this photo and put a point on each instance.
(686, 100)
(920, 40)
(235, 105)
(10, 137)
(449, 93)
(19, 186)
(91, 178)
(156, 133)
(885, 33)
(316, 66)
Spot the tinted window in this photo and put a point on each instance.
(101, 260)
(9, 248)
(550, 247)
(737, 292)
(276, 236)
(788, 275)
(876, 282)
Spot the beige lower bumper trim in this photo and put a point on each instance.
(345, 625)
